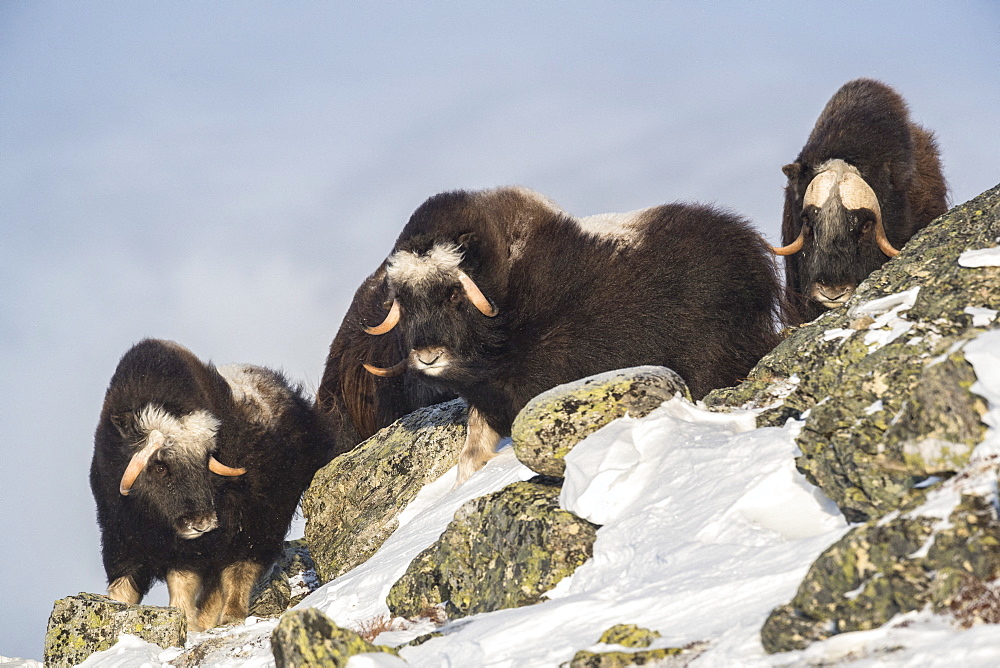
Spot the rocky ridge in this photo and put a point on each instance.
(893, 427)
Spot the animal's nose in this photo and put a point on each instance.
(192, 526)
(832, 292)
(431, 360)
(428, 356)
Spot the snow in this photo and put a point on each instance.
(981, 317)
(706, 526)
(359, 595)
(130, 652)
(982, 257)
(890, 323)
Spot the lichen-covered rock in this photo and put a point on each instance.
(635, 637)
(290, 580)
(502, 550)
(930, 553)
(629, 635)
(87, 623)
(352, 505)
(309, 638)
(882, 383)
(556, 420)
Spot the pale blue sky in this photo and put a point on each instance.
(225, 174)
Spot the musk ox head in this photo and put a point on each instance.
(841, 238)
(439, 309)
(171, 467)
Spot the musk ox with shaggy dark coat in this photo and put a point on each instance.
(867, 179)
(499, 295)
(197, 472)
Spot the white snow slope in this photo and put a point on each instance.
(705, 527)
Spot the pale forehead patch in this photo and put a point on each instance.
(192, 435)
(828, 178)
(407, 267)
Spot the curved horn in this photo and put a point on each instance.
(792, 248)
(394, 370)
(138, 461)
(855, 193)
(389, 322)
(882, 240)
(217, 467)
(476, 295)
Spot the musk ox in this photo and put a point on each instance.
(197, 472)
(353, 402)
(499, 295)
(867, 179)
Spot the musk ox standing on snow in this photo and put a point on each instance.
(353, 402)
(499, 295)
(867, 179)
(196, 473)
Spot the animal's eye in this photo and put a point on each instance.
(160, 469)
(456, 295)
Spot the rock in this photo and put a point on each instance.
(503, 550)
(629, 635)
(632, 636)
(290, 580)
(87, 623)
(882, 383)
(353, 503)
(937, 552)
(556, 420)
(309, 638)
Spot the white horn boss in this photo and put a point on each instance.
(854, 193)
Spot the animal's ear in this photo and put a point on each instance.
(121, 423)
(792, 170)
(468, 241)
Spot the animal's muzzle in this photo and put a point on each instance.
(195, 525)
(832, 296)
(431, 360)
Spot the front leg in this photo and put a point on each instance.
(238, 580)
(125, 590)
(480, 446)
(184, 588)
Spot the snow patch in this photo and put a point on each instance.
(982, 257)
(359, 595)
(981, 317)
(890, 323)
(837, 333)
